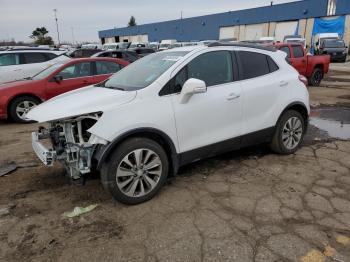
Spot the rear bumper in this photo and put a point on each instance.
(46, 155)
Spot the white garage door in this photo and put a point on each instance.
(253, 32)
(227, 32)
(285, 28)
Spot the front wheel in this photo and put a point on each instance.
(289, 133)
(316, 77)
(20, 107)
(136, 171)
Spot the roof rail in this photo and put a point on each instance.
(240, 44)
(32, 49)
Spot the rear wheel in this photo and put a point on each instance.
(316, 77)
(20, 107)
(289, 133)
(136, 171)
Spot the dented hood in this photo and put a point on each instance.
(79, 102)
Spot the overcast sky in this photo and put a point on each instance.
(20, 17)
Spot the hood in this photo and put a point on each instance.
(79, 102)
(18, 83)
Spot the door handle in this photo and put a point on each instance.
(283, 83)
(18, 70)
(233, 96)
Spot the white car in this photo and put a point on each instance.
(18, 64)
(172, 108)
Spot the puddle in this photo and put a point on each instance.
(335, 121)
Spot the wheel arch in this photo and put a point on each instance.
(10, 101)
(103, 153)
(299, 107)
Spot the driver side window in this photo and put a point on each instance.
(76, 70)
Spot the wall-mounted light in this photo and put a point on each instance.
(305, 11)
(203, 23)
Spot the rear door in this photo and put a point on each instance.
(262, 86)
(299, 59)
(74, 76)
(10, 68)
(104, 69)
(33, 63)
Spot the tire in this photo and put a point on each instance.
(316, 77)
(134, 186)
(22, 105)
(281, 135)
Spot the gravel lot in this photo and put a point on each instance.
(248, 205)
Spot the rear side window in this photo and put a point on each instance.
(272, 65)
(50, 56)
(214, 68)
(104, 67)
(297, 51)
(286, 50)
(253, 64)
(32, 58)
(9, 59)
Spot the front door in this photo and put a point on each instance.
(73, 76)
(210, 117)
(298, 59)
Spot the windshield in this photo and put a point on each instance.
(333, 43)
(46, 72)
(144, 72)
(164, 45)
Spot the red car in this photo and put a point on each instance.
(17, 98)
(313, 67)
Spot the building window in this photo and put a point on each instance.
(332, 6)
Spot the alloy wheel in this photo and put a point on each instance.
(292, 133)
(23, 108)
(139, 172)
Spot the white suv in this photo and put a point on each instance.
(17, 64)
(172, 108)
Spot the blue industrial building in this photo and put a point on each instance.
(209, 26)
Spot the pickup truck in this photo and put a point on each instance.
(313, 67)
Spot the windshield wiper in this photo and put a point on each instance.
(115, 88)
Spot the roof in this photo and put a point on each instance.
(240, 44)
(29, 50)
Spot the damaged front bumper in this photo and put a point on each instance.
(69, 143)
(47, 156)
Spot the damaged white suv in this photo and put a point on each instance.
(172, 108)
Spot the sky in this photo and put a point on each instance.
(82, 19)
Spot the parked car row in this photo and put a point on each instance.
(18, 97)
(15, 102)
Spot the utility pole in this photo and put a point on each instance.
(58, 33)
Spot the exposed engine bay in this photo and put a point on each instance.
(72, 144)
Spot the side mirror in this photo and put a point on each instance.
(57, 78)
(192, 86)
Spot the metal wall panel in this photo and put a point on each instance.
(227, 32)
(285, 28)
(208, 27)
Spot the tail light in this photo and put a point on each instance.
(303, 79)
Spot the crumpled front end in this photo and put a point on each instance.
(69, 142)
